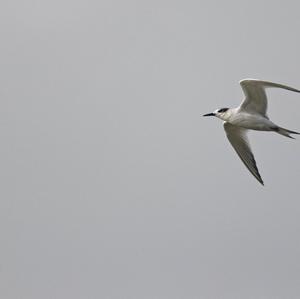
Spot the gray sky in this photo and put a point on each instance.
(113, 185)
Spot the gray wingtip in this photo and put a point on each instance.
(267, 84)
(258, 177)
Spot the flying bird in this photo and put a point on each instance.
(250, 115)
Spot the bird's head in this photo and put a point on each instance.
(220, 113)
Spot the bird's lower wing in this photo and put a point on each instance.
(239, 141)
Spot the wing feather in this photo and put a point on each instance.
(238, 138)
(256, 98)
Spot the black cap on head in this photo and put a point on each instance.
(222, 110)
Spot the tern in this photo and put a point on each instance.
(250, 115)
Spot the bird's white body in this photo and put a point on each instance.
(250, 115)
(250, 121)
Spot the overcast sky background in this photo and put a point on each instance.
(113, 185)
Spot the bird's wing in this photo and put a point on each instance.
(239, 141)
(256, 98)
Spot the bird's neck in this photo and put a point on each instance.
(226, 116)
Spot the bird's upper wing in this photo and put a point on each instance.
(239, 141)
(256, 98)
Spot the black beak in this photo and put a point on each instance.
(209, 114)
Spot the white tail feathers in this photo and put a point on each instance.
(285, 132)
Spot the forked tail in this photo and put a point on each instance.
(285, 132)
